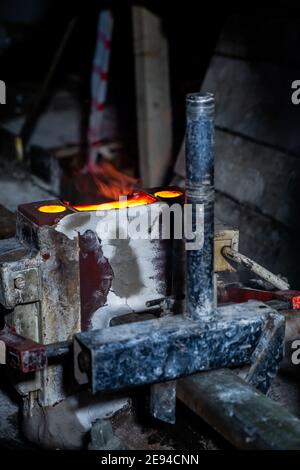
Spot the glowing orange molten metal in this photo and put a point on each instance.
(138, 199)
(51, 209)
(168, 193)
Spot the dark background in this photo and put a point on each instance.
(247, 55)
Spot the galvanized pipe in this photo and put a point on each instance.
(200, 195)
(256, 268)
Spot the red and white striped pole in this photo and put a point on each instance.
(99, 83)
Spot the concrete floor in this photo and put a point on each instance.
(137, 430)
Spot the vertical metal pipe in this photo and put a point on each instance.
(200, 195)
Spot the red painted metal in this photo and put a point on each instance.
(31, 212)
(240, 295)
(23, 353)
(96, 276)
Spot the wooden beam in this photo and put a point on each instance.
(153, 96)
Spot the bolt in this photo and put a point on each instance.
(20, 282)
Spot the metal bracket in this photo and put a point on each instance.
(171, 347)
(19, 274)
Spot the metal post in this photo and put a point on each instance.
(200, 194)
(242, 415)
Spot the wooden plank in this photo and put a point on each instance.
(153, 96)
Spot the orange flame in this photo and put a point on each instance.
(110, 182)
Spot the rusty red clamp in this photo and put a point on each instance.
(21, 353)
